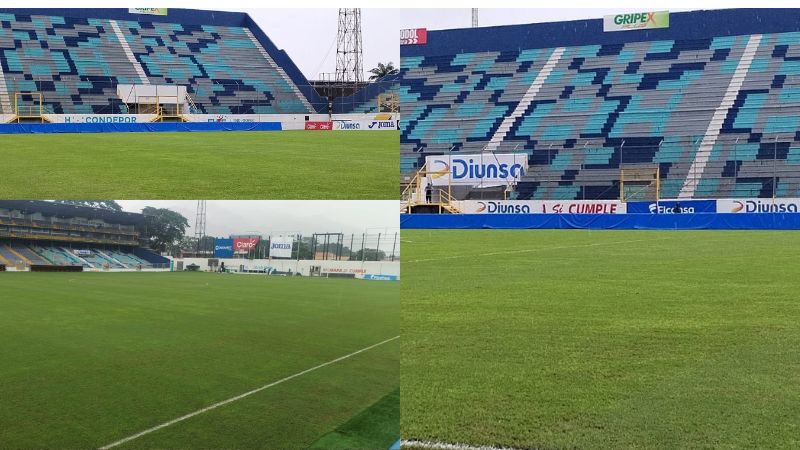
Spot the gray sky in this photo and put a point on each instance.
(226, 217)
(309, 36)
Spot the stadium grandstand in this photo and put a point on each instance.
(706, 107)
(47, 236)
(168, 64)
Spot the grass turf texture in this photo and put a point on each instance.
(293, 165)
(88, 359)
(380, 423)
(601, 339)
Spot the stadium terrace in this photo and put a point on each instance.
(699, 105)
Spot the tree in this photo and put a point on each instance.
(370, 255)
(382, 71)
(164, 229)
(102, 204)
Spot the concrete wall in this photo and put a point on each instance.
(358, 268)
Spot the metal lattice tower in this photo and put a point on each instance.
(200, 223)
(349, 59)
(474, 17)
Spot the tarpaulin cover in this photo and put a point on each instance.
(701, 221)
(35, 128)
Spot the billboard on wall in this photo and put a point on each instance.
(542, 207)
(364, 125)
(759, 205)
(149, 11)
(223, 248)
(319, 126)
(245, 244)
(280, 247)
(636, 21)
(668, 207)
(477, 170)
(414, 36)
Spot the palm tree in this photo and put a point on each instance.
(382, 71)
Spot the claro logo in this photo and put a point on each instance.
(500, 208)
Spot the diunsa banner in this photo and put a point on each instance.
(477, 169)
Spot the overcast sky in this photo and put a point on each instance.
(226, 217)
(443, 19)
(309, 35)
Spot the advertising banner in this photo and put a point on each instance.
(414, 36)
(364, 125)
(759, 205)
(280, 247)
(542, 207)
(149, 11)
(477, 170)
(101, 118)
(223, 248)
(319, 126)
(668, 207)
(82, 252)
(244, 245)
(372, 276)
(636, 21)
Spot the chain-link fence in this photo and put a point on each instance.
(733, 165)
(104, 95)
(373, 246)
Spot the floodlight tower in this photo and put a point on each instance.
(474, 17)
(349, 55)
(200, 224)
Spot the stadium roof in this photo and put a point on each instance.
(68, 211)
(682, 25)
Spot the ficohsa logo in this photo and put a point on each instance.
(661, 209)
(500, 208)
(223, 247)
(758, 206)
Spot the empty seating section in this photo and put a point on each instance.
(77, 64)
(13, 253)
(222, 67)
(604, 107)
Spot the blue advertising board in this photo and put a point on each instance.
(668, 206)
(223, 248)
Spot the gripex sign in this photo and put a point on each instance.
(759, 205)
(280, 247)
(477, 170)
(542, 207)
(636, 21)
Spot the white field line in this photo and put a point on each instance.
(241, 396)
(447, 446)
(533, 250)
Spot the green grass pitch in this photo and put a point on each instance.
(601, 339)
(89, 359)
(276, 165)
